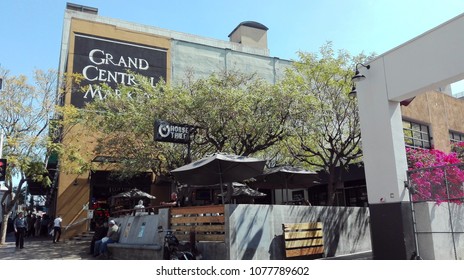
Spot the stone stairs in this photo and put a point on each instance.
(84, 237)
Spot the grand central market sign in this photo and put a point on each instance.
(172, 132)
(105, 61)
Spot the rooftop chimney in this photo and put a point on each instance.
(250, 33)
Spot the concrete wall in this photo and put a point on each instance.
(139, 229)
(440, 230)
(201, 60)
(255, 231)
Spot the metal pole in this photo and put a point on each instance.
(450, 215)
(1, 144)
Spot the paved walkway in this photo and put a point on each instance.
(42, 248)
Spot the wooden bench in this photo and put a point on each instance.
(303, 239)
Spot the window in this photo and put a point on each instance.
(456, 137)
(416, 135)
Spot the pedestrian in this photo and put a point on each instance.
(139, 208)
(38, 221)
(101, 246)
(101, 229)
(44, 225)
(31, 226)
(57, 229)
(20, 226)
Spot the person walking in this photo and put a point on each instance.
(57, 229)
(20, 226)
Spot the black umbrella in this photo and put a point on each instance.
(134, 194)
(219, 169)
(239, 190)
(288, 176)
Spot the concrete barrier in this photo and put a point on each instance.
(138, 239)
(252, 232)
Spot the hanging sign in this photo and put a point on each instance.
(172, 132)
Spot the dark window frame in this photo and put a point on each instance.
(456, 137)
(417, 135)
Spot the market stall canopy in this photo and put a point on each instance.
(219, 169)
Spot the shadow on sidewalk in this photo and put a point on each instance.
(42, 248)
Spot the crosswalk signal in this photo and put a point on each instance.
(2, 169)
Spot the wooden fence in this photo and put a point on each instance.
(206, 223)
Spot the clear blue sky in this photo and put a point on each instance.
(30, 30)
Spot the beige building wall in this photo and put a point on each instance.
(73, 189)
(441, 112)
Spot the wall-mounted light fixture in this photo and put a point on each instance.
(357, 76)
(353, 92)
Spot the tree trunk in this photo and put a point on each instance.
(331, 188)
(5, 217)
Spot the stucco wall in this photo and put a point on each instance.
(441, 112)
(255, 231)
(440, 230)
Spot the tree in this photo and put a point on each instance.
(326, 131)
(26, 111)
(234, 113)
(238, 113)
(435, 175)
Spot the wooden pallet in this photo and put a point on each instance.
(303, 239)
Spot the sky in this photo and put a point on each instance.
(30, 30)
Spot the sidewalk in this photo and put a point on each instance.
(42, 248)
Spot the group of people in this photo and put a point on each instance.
(33, 226)
(105, 233)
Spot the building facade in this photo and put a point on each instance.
(103, 49)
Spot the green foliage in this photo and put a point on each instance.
(26, 111)
(326, 131)
(239, 113)
(235, 113)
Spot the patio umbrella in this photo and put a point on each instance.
(219, 169)
(132, 195)
(243, 190)
(288, 176)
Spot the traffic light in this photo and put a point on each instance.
(2, 169)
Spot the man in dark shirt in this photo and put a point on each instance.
(20, 226)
